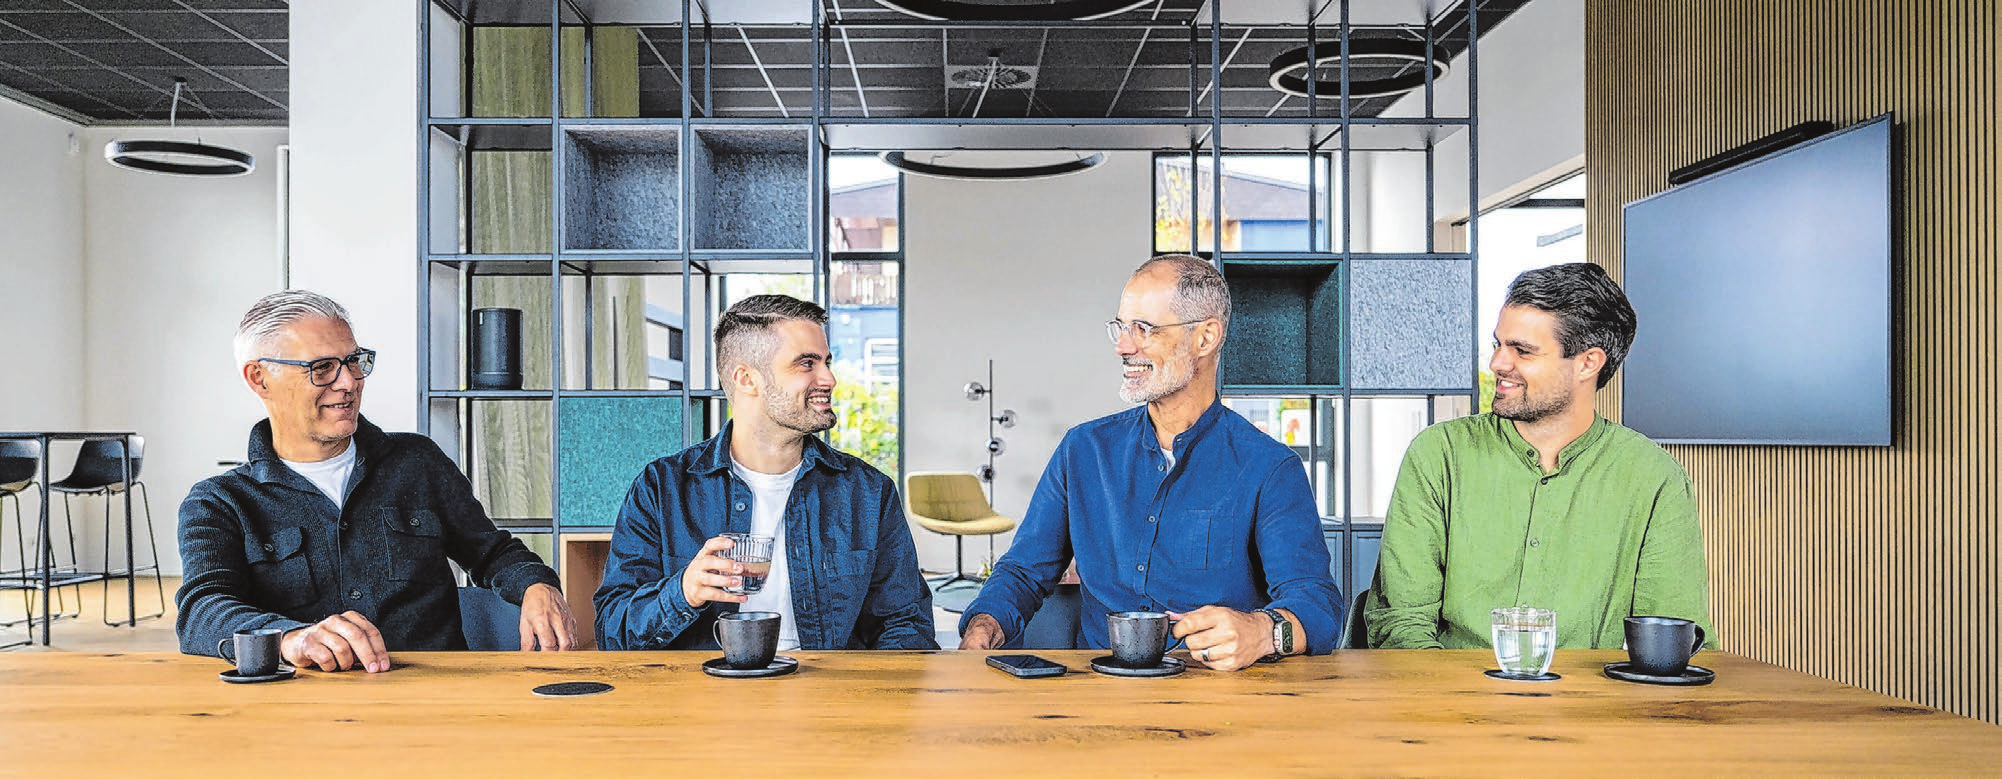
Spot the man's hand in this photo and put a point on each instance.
(546, 622)
(338, 643)
(982, 632)
(706, 576)
(1224, 638)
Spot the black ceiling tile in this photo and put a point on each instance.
(232, 101)
(107, 6)
(36, 55)
(238, 5)
(76, 26)
(166, 27)
(135, 54)
(256, 26)
(235, 53)
(261, 79)
(15, 8)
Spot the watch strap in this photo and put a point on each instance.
(1282, 633)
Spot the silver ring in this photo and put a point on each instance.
(1204, 654)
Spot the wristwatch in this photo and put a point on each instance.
(1282, 634)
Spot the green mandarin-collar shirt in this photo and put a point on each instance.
(1476, 524)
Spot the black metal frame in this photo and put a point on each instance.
(1329, 127)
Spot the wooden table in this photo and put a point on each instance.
(947, 714)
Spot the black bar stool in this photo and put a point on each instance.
(100, 470)
(18, 463)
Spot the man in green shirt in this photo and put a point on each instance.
(1541, 502)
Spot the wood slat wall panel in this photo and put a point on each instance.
(1874, 567)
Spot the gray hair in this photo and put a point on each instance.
(1200, 292)
(744, 332)
(273, 313)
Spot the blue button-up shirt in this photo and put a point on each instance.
(1231, 523)
(854, 568)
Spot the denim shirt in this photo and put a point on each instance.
(854, 567)
(262, 547)
(1231, 523)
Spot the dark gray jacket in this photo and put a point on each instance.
(262, 547)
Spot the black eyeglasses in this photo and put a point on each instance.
(327, 370)
(1142, 329)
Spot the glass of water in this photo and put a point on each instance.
(755, 554)
(1525, 639)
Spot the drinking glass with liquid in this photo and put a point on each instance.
(1525, 639)
(755, 554)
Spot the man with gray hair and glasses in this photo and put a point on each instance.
(1176, 505)
(335, 531)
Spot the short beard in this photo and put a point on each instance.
(792, 413)
(1528, 409)
(1160, 385)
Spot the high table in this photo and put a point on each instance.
(43, 577)
(941, 714)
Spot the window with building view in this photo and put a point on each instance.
(865, 318)
(1271, 203)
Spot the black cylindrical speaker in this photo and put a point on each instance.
(496, 357)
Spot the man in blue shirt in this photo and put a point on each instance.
(844, 572)
(1179, 505)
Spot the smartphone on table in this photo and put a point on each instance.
(1026, 666)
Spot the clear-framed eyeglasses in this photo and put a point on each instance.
(1140, 328)
(327, 370)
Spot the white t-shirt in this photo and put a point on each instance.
(768, 505)
(330, 475)
(1170, 454)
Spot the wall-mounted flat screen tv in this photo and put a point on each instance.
(1764, 298)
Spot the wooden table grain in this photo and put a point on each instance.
(948, 714)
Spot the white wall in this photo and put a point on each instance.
(41, 282)
(1532, 106)
(41, 263)
(1025, 273)
(354, 181)
(170, 264)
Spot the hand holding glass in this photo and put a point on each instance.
(755, 554)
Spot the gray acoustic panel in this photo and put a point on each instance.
(622, 188)
(1410, 326)
(746, 184)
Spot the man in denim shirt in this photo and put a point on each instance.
(1179, 505)
(335, 531)
(844, 569)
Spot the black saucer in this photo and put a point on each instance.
(1496, 673)
(1110, 667)
(781, 665)
(1693, 676)
(283, 672)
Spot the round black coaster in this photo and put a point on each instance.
(1693, 676)
(1110, 667)
(284, 672)
(564, 689)
(1544, 677)
(780, 666)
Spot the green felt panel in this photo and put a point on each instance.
(603, 445)
(1286, 325)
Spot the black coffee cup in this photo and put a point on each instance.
(1138, 638)
(256, 651)
(1661, 646)
(750, 639)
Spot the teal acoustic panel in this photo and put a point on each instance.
(1285, 325)
(601, 446)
